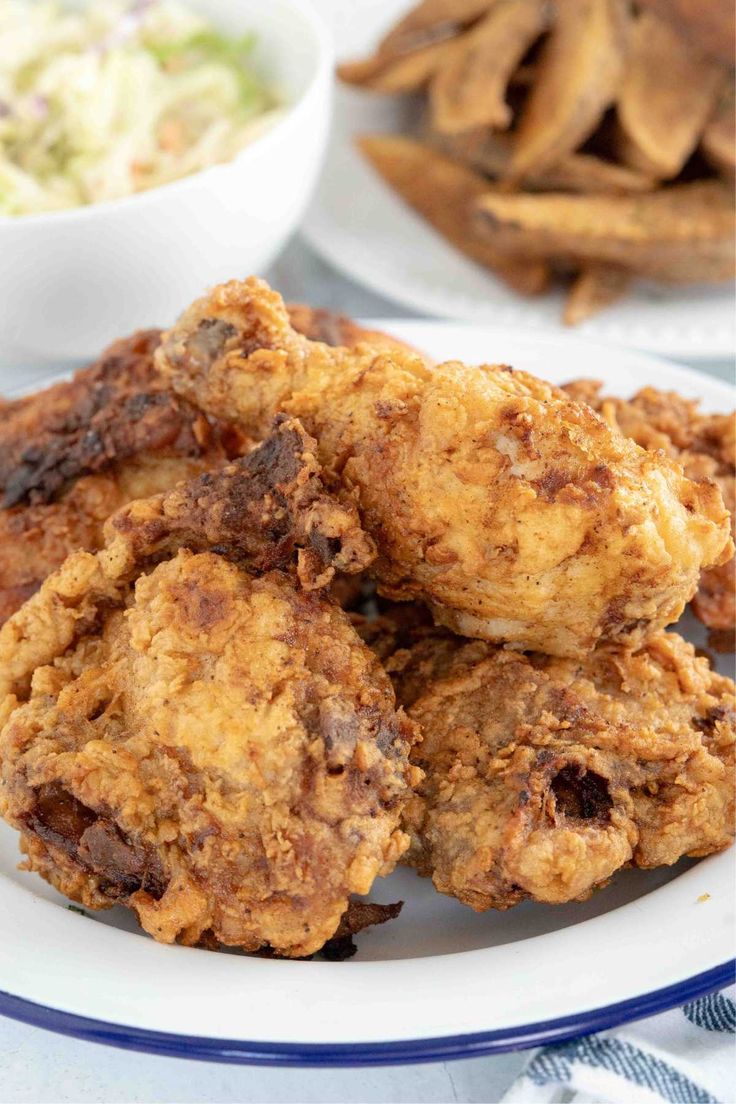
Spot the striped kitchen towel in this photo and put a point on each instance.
(686, 1056)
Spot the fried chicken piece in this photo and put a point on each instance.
(544, 776)
(189, 733)
(74, 453)
(705, 445)
(326, 326)
(517, 514)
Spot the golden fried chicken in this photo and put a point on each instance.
(326, 326)
(515, 512)
(190, 728)
(705, 445)
(544, 776)
(74, 453)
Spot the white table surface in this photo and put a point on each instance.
(37, 1067)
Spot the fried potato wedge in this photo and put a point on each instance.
(444, 193)
(394, 75)
(577, 79)
(596, 287)
(666, 96)
(679, 234)
(469, 88)
(719, 137)
(709, 25)
(411, 52)
(490, 153)
(432, 21)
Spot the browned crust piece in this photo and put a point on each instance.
(225, 758)
(543, 777)
(319, 324)
(450, 461)
(74, 453)
(705, 445)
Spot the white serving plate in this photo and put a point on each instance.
(439, 982)
(358, 224)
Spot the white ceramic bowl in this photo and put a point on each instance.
(136, 262)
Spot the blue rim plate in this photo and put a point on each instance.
(237, 1052)
(440, 982)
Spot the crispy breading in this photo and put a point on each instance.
(469, 90)
(577, 78)
(679, 234)
(74, 453)
(187, 732)
(705, 445)
(326, 326)
(519, 515)
(666, 96)
(544, 776)
(444, 192)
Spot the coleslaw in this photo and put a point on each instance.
(123, 96)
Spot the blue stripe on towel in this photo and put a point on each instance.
(713, 1013)
(554, 1065)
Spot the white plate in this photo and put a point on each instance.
(358, 224)
(441, 981)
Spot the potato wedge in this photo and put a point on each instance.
(719, 137)
(679, 234)
(490, 153)
(394, 75)
(409, 54)
(596, 287)
(578, 76)
(444, 192)
(666, 96)
(708, 25)
(469, 88)
(431, 21)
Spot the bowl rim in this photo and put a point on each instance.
(324, 56)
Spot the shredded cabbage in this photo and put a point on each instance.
(121, 97)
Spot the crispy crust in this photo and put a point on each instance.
(188, 733)
(545, 776)
(515, 512)
(74, 453)
(705, 445)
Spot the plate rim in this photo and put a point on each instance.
(290, 1053)
(352, 1055)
